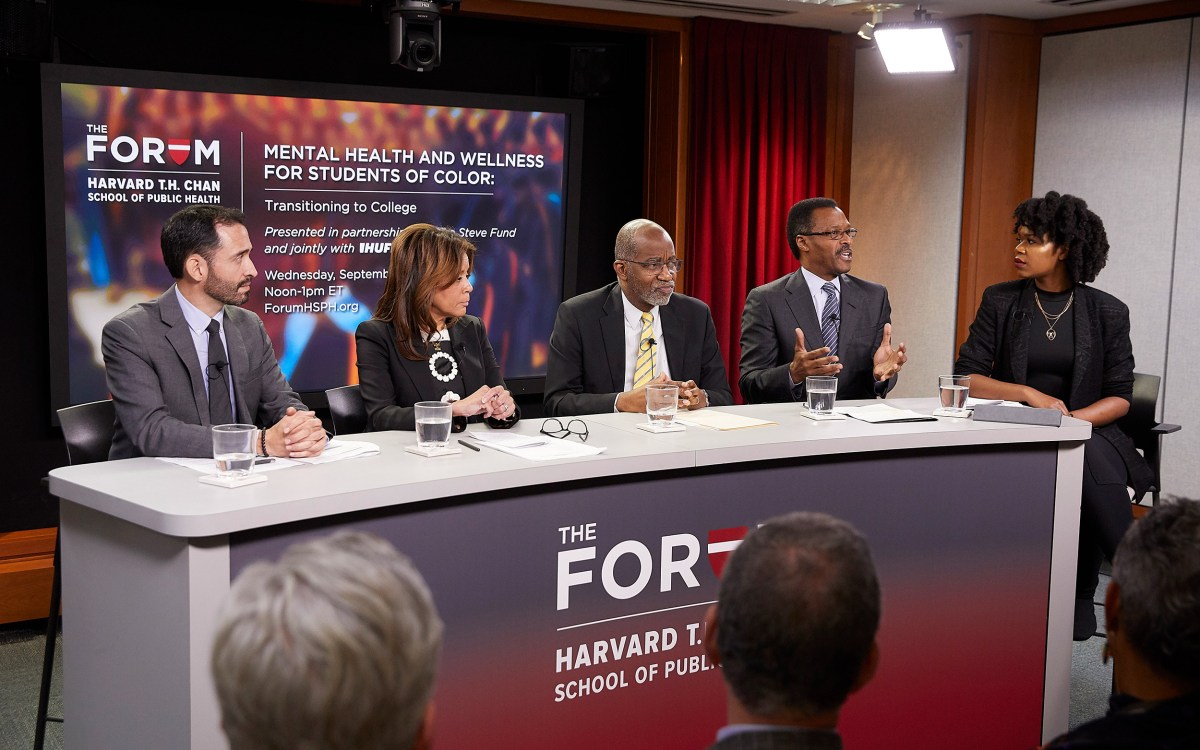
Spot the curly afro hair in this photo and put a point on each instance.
(1066, 221)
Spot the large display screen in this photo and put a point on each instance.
(326, 175)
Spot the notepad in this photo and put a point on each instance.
(879, 413)
(720, 420)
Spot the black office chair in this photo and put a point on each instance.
(88, 429)
(1142, 426)
(347, 409)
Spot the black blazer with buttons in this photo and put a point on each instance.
(391, 384)
(998, 346)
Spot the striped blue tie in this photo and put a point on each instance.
(829, 317)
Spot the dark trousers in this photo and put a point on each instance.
(1105, 513)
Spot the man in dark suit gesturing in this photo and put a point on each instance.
(819, 320)
(192, 358)
(608, 344)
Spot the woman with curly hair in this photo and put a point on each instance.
(1051, 341)
(422, 346)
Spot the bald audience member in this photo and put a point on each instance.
(334, 647)
(794, 632)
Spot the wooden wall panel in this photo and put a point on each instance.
(839, 119)
(1001, 129)
(26, 572)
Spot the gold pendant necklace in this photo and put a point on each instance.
(1052, 320)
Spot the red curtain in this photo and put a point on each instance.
(758, 146)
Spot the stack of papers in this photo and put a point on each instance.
(338, 450)
(877, 413)
(532, 447)
(973, 402)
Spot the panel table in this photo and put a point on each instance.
(574, 591)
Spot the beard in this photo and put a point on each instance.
(654, 297)
(226, 291)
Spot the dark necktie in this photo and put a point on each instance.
(829, 317)
(220, 410)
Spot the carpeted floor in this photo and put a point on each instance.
(20, 675)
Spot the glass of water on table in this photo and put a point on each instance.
(433, 424)
(822, 392)
(662, 403)
(233, 449)
(952, 394)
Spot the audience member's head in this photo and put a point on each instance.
(795, 621)
(1152, 609)
(334, 646)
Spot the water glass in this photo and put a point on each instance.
(822, 392)
(662, 403)
(233, 449)
(952, 394)
(433, 424)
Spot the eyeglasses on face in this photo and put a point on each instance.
(833, 234)
(554, 428)
(654, 266)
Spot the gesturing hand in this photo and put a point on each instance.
(888, 360)
(815, 362)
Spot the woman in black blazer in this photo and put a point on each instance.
(421, 345)
(1051, 341)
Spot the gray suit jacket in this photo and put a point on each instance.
(158, 387)
(772, 314)
(586, 368)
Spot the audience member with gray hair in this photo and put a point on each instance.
(794, 632)
(333, 647)
(1152, 618)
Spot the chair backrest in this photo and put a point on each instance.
(1143, 413)
(347, 409)
(88, 429)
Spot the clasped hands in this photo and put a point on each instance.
(298, 435)
(493, 402)
(886, 362)
(691, 396)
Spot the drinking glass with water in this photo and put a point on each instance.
(662, 403)
(433, 424)
(233, 449)
(822, 392)
(952, 394)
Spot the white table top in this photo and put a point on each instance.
(169, 499)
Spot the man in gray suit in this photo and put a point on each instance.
(794, 632)
(819, 320)
(191, 358)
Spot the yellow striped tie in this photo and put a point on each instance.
(643, 369)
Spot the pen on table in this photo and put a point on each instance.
(260, 461)
(472, 446)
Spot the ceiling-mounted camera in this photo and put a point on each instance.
(415, 29)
